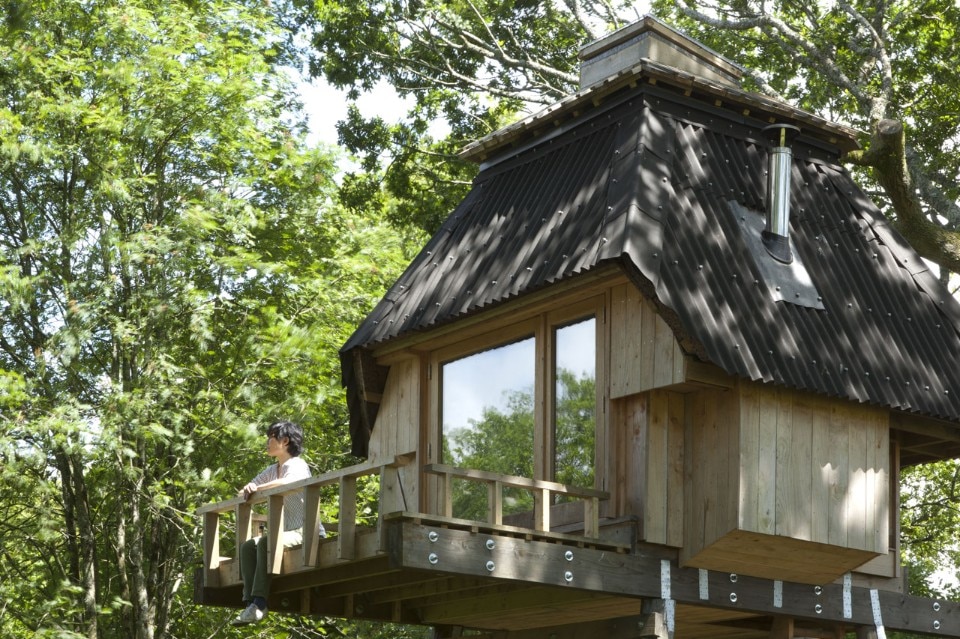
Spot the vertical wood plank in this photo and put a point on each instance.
(749, 462)
(346, 536)
(623, 351)
(541, 509)
(857, 491)
(311, 521)
(655, 512)
(782, 628)
(675, 454)
(837, 514)
(495, 502)
(663, 353)
(591, 518)
(767, 452)
(785, 466)
(211, 549)
(801, 493)
(446, 494)
(275, 534)
(632, 458)
(822, 472)
(647, 341)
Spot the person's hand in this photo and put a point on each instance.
(247, 491)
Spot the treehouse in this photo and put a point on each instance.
(656, 375)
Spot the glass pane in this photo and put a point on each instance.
(487, 410)
(488, 421)
(575, 411)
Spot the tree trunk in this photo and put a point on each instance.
(81, 539)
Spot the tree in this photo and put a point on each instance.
(173, 274)
(502, 441)
(888, 67)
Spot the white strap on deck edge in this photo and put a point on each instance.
(877, 616)
(669, 605)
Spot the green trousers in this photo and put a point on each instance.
(253, 563)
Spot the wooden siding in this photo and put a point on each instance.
(776, 473)
(644, 353)
(649, 433)
(397, 432)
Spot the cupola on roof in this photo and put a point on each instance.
(650, 39)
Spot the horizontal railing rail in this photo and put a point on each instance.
(344, 478)
(543, 493)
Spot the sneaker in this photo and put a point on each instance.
(250, 614)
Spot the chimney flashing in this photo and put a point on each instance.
(651, 39)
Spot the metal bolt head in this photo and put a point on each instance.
(568, 576)
(433, 536)
(568, 555)
(733, 577)
(491, 566)
(433, 558)
(491, 544)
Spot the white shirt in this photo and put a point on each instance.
(294, 469)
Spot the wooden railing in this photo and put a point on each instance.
(543, 493)
(344, 478)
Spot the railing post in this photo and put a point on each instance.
(346, 538)
(495, 502)
(311, 520)
(591, 517)
(447, 495)
(211, 549)
(541, 509)
(275, 534)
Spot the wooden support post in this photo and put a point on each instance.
(495, 502)
(654, 620)
(311, 525)
(275, 534)
(211, 549)
(346, 537)
(591, 518)
(866, 632)
(781, 628)
(447, 495)
(244, 524)
(541, 509)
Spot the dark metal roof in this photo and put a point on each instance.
(655, 182)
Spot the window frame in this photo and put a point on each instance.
(542, 326)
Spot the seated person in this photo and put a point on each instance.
(284, 443)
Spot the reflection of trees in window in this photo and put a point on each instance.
(576, 428)
(502, 442)
(575, 407)
(488, 417)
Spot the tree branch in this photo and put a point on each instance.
(886, 155)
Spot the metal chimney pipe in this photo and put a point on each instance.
(776, 234)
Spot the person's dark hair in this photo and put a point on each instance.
(293, 432)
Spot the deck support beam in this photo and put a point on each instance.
(419, 546)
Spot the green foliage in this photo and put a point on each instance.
(434, 53)
(173, 276)
(929, 517)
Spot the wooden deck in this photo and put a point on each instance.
(522, 583)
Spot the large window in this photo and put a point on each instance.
(522, 400)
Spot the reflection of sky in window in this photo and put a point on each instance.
(486, 379)
(576, 346)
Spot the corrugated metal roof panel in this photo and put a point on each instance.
(648, 181)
